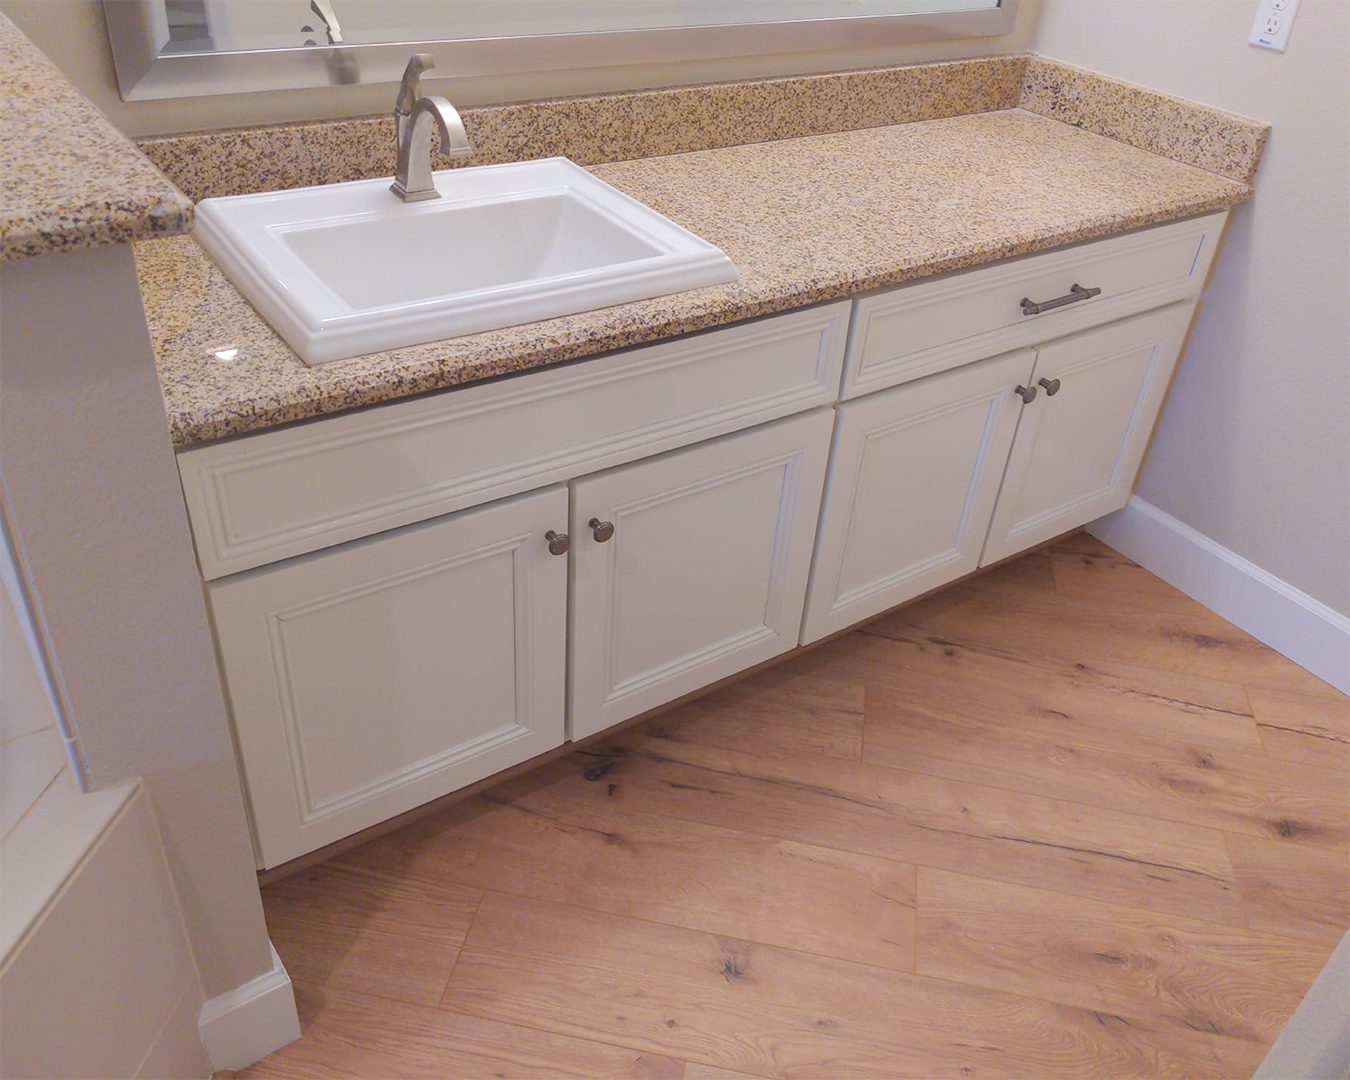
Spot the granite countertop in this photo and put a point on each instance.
(68, 178)
(805, 220)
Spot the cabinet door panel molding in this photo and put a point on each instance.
(913, 478)
(367, 680)
(1077, 452)
(705, 574)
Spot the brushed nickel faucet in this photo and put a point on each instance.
(413, 117)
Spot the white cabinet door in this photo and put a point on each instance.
(1079, 443)
(913, 479)
(704, 574)
(373, 677)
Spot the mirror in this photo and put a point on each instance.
(183, 48)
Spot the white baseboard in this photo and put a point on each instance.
(246, 1024)
(1291, 622)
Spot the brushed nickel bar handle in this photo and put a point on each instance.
(1076, 292)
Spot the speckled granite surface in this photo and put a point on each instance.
(620, 127)
(805, 220)
(609, 127)
(1208, 138)
(68, 178)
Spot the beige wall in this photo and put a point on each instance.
(1254, 446)
(72, 33)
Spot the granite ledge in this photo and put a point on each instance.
(68, 178)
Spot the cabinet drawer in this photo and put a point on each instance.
(269, 496)
(921, 329)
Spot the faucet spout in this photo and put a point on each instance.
(412, 180)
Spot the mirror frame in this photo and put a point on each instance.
(142, 73)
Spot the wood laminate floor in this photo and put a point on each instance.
(1059, 820)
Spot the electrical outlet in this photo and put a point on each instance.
(1274, 18)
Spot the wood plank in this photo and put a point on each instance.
(1292, 890)
(1101, 703)
(695, 1070)
(910, 817)
(1037, 623)
(1191, 973)
(728, 890)
(1087, 569)
(1218, 788)
(558, 842)
(357, 1035)
(760, 1009)
(779, 707)
(340, 927)
(1298, 727)
(1029, 575)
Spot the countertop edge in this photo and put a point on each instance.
(53, 201)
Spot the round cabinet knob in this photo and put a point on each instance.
(557, 542)
(1051, 386)
(601, 530)
(1026, 393)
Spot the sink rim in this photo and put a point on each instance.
(283, 233)
(245, 237)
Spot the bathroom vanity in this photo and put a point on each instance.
(957, 296)
(896, 326)
(414, 597)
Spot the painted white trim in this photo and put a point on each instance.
(246, 1024)
(1290, 621)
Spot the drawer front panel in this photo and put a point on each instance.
(270, 496)
(922, 329)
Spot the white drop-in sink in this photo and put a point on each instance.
(349, 269)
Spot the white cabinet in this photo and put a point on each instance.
(937, 477)
(372, 678)
(913, 479)
(414, 659)
(704, 573)
(381, 674)
(1080, 441)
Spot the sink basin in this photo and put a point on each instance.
(348, 269)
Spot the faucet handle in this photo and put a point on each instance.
(410, 89)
